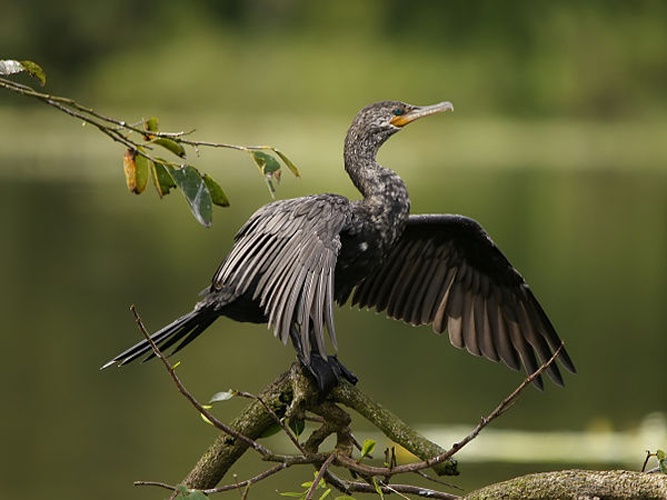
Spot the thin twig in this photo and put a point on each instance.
(648, 457)
(362, 487)
(320, 473)
(244, 484)
(503, 406)
(391, 489)
(157, 484)
(228, 487)
(369, 470)
(181, 388)
(437, 480)
(114, 128)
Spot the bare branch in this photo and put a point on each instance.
(228, 487)
(244, 484)
(504, 404)
(157, 484)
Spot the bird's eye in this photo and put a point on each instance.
(398, 111)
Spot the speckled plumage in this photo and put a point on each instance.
(294, 258)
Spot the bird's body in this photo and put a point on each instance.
(293, 259)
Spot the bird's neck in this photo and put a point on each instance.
(384, 192)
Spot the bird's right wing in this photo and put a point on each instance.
(447, 272)
(284, 257)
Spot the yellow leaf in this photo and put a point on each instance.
(130, 169)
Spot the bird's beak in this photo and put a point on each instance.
(420, 112)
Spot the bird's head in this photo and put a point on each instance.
(377, 122)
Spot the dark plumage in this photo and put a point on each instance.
(294, 258)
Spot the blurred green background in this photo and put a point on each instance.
(557, 146)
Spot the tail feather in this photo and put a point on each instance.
(182, 331)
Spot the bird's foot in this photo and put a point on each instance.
(328, 372)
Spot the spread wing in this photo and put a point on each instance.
(284, 258)
(446, 271)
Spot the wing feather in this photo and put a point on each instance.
(284, 259)
(440, 316)
(469, 327)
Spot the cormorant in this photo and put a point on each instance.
(294, 258)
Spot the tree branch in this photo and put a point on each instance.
(294, 392)
(578, 484)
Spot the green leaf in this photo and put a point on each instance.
(144, 166)
(291, 166)
(269, 167)
(662, 461)
(267, 163)
(377, 488)
(196, 193)
(11, 67)
(35, 70)
(367, 448)
(291, 494)
(151, 125)
(297, 425)
(218, 195)
(223, 396)
(162, 179)
(170, 145)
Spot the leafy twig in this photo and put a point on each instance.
(141, 163)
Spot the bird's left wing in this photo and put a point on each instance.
(446, 271)
(284, 258)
